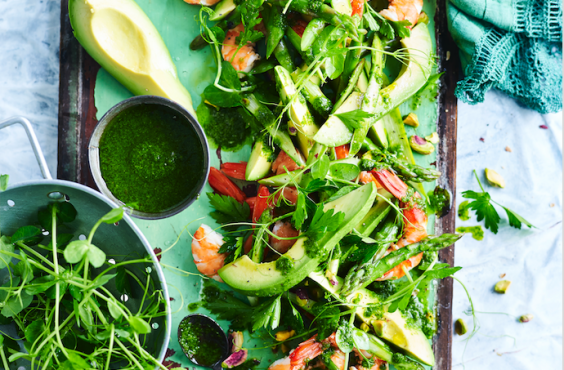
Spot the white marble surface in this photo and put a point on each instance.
(29, 60)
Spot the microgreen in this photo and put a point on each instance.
(482, 205)
(58, 304)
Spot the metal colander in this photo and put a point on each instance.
(123, 241)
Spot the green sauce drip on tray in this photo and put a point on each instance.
(151, 156)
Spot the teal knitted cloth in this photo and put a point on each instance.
(512, 45)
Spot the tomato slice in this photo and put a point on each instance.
(235, 170)
(342, 151)
(221, 184)
(251, 202)
(366, 177)
(261, 204)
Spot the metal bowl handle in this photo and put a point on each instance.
(33, 140)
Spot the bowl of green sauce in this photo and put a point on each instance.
(203, 341)
(150, 154)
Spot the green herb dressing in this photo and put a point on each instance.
(151, 156)
(201, 343)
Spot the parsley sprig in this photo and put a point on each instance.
(482, 205)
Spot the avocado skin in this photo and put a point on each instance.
(139, 58)
(264, 280)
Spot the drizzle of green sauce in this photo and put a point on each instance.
(151, 156)
(284, 265)
(201, 343)
(476, 231)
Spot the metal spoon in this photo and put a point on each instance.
(209, 332)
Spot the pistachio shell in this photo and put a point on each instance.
(433, 138)
(421, 145)
(495, 178)
(411, 120)
(502, 286)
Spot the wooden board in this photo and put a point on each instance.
(77, 119)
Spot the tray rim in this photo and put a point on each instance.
(77, 120)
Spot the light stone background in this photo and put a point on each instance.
(532, 259)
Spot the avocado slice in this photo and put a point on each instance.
(260, 161)
(342, 6)
(393, 327)
(124, 41)
(222, 10)
(334, 132)
(376, 214)
(264, 279)
(301, 119)
(413, 75)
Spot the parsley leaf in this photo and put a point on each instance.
(353, 119)
(484, 209)
(515, 220)
(267, 314)
(482, 204)
(250, 16)
(401, 28)
(227, 209)
(300, 214)
(323, 222)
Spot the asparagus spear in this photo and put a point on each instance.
(319, 10)
(358, 273)
(276, 26)
(283, 55)
(373, 272)
(371, 97)
(352, 83)
(406, 170)
(314, 95)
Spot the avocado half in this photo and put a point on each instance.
(263, 279)
(124, 41)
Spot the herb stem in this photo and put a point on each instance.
(3, 355)
(34, 252)
(128, 354)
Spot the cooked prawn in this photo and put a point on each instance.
(242, 59)
(283, 229)
(205, 247)
(399, 10)
(366, 177)
(415, 228)
(307, 351)
(377, 361)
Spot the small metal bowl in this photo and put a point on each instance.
(94, 153)
(221, 339)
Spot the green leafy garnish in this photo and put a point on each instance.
(482, 205)
(250, 16)
(353, 119)
(227, 209)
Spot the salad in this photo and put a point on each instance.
(325, 228)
